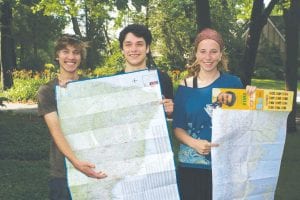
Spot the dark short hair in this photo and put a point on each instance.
(138, 30)
(73, 40)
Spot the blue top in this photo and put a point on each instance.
(191, 113)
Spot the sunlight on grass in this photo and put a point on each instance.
(270, 84)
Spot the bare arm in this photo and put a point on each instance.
(201, 146)
(87, 168)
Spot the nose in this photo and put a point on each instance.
(133, 48)
(208, 56)
(71, 55)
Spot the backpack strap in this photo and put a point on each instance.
(195, 82)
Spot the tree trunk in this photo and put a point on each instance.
(8, 56)
(259, 17)
(1, 68)
(292, 49)
(105, 31)
(92, 54)
(203, 14)
(76, 26)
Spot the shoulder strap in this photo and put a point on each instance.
(195, 82)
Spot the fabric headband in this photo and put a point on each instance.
(209, 33)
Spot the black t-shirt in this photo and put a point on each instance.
(165, 83)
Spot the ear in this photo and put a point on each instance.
(147, 49)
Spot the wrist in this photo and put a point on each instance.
(194, 142)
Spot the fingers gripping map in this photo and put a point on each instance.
(118, 124)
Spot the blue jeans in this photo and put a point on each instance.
(58, 189)
(194, 183)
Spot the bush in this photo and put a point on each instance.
(105, 71)
(27, 83)
(268, 63)
(24, 90)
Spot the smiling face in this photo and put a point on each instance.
(208, 55)
(135, 51)
(69, 59)
(226, 98)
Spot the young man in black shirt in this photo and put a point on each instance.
(135, 41)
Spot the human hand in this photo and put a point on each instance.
(168, 106)
(203, 147)
(250, 89)
(88, 169)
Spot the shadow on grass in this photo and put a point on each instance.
(288, 182)
(24, 160)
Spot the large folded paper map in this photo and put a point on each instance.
(119, 124)
(246, 164)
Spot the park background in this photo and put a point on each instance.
(261, 39)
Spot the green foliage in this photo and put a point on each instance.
(34, 34)
(27, 82)
(24, 90)
(177, 76)
(172, 38)
(268, 63)
(115, 61)
(57, 7)
(105, 71)
(243, 9)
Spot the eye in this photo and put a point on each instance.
(127, 44)
(214, 51)
(76, 52)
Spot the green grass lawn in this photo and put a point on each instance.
(24, 144)
(270, 84)
(288, 183)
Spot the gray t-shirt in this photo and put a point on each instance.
(47, 104)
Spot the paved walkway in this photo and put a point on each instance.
(19, 107)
